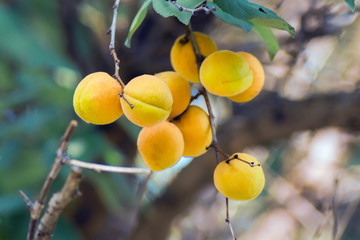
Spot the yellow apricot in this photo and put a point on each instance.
(240, 177)
(258, 83)
(151, 98)
(183, 58)
(161, 146)
(96, 99)
(180, 90)
(194, 124)
(225, 73)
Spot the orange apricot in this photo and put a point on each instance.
(151, 98)
(161, 146)
(180, 90)
(225, 73)
(194, 124)
(183, 58)
(96, 99)
(240, 177)
(258, 83)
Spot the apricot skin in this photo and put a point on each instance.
(237, 180)
(161, 146)
(151, 98)
(183, 58)
(180, 91)
(194, 124)
(225, 73)
(258, 83)
(96, 99)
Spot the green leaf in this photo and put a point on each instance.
(245, 25)
(254, 13)
(351, 4)
(268, 38)
(138, 19)
(167, 9)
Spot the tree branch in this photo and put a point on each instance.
(106, 168)
(36, 208)
(57, 204)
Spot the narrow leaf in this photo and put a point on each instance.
(351, 4)
(245, 25)
(268, 38)
(255, 13)
(138, 19)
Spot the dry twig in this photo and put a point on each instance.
(57, 204)
(112, 31)
(36, 207)
(105, 168)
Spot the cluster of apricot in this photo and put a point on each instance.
(171, 127)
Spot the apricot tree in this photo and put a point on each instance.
(162, 104)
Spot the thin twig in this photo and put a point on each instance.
(105, 168)
(27, 200)
(214, 144)
(228, 219)
(196, 96)
(203, 7)
(251, 164)
(112, 31)
(333, 206)
(57, 204)
(37, 207)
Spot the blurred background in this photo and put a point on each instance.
(304, 127)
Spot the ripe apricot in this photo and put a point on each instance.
(258, 83)
(161, 146)
(194, 124)
(151, 98)
(180, 90)
(225, 73)
(240, 177)
(183, 58)
(96, 99)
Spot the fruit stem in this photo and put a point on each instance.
(112, 30)
(127, 101)
(251, 164)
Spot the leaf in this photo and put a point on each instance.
(268, 38)
(351, 4)
(254, 13)
(245, 25)
(138, 19)
(167, 9)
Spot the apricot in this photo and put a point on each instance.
(161, 146)
(225, 73)
(183, 58)
(151, 98)
(240, 177)
(258, 83)
(96, 99)
(180, 90)
(194, 124)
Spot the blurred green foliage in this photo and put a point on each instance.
(37, 80)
